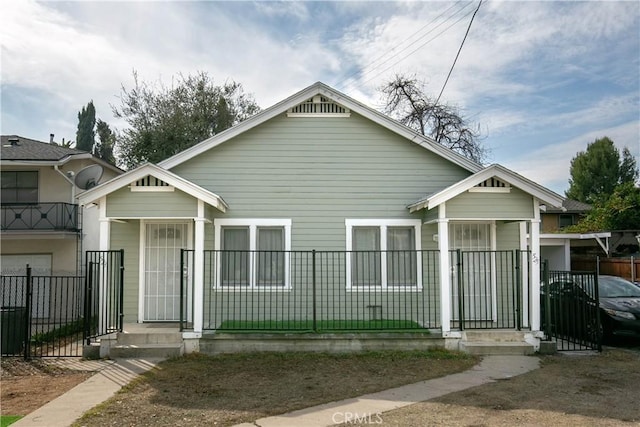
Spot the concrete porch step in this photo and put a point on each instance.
(130, 351)
(485, 348)
(493, 335)
(155, 337)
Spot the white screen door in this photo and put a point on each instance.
(162, 270)
(475, 240)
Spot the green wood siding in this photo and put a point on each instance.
(319, 171)
(513, 205)
(127, 236)
(126, 204)
(507, 236)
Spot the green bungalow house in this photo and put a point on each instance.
(320, 213)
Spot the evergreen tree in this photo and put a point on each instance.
(85, 136)
(106, 141)
(596, 172)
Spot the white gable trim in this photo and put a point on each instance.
(102, 190)
(321, 89)
(541, 193)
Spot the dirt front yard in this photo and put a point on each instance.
(26, 386)
(568, 390)
(574, 390)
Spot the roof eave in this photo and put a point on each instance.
(539, 192)
(94, 194)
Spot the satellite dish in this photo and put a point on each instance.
(88, 177)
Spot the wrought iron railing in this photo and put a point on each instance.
(56, 216)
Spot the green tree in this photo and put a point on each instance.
(596, 172)
(106, 141)
(405, 100)
(85, 136)
(164, 121)
(621, 211)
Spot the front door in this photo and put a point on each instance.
(162, 244)
(475, 242)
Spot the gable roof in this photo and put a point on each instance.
(18, 149)
(320, 88)
(570, 206)
(96, 193)
(494, 171)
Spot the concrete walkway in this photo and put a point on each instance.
(371, 406)
(113, 375)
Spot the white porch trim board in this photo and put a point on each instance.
(198, 273)
(104, 244)
(524, 274)
(534, 259)
(445, 270)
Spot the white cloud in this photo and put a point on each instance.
(550, 164)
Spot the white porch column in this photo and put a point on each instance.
(524, 275)
(445, 270)
(534, 247)
(105, 226)
(104, 244)
(198, 270)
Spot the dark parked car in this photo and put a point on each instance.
(619, 307)
(573, 308)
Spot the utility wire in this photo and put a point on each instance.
(384, 55)
(458, 54)
(412, 52)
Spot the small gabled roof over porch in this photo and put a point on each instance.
(492, 179)
(147, 176)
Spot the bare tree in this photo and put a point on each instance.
(406, 101)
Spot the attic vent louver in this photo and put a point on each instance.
(491, 185)
(318, 106)
(150, 183)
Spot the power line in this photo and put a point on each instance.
(413, 51)
(458, 54)
(384, 55)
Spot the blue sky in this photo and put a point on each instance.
(542, 79)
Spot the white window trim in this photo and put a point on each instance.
(252, 224)
(382, 224)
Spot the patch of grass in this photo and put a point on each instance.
(6, 420)
(322, 326)
(63, 331)
(224, 390)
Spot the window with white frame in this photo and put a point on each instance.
(383, 254)
(252, 253)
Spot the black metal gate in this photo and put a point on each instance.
(570, 312)
(52, 316)
(104, 297)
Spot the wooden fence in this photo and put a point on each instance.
(629, 268)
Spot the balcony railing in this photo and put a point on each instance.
(40, 217)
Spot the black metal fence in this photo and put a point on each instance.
(53, 316)
(42, 315)
(487, 289)
(104, 302)
(354, 291)
(570, 312)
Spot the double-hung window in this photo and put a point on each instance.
(383, 254)
(252, 253)
(19, 187)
